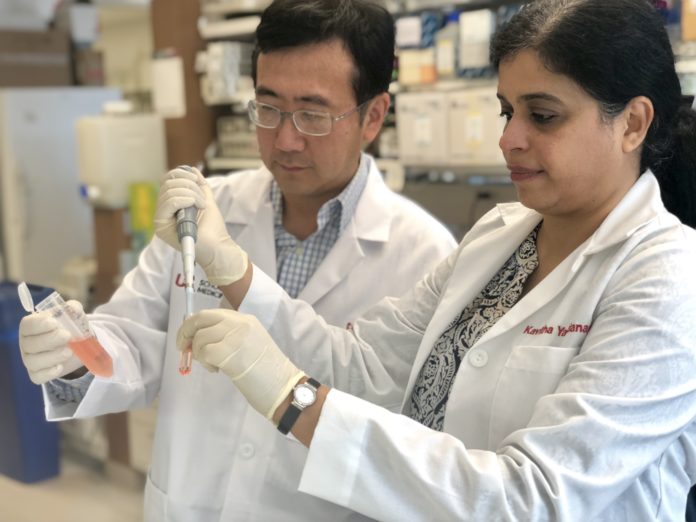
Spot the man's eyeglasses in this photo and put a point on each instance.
(311, 123)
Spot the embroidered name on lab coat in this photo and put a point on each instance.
(560, 330)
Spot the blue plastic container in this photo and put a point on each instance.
(28, 443)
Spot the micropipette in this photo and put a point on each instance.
(187, 232)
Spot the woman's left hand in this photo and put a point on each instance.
(239, 346)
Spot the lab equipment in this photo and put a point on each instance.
(116, 149)
(475, 31)
(417, 66)
(39, 181)
(422, 128)
(474, 127)
(187, 232)
(226, 72)
(83, 342)
(447, 47)
(237, 137)
(458, 128)
(25, 297)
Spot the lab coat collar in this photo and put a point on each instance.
(641, 204)
(371, 220)
(244, 210)
(372, 217)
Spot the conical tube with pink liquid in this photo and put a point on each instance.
(83, 342)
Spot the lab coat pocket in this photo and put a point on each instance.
(529, 373)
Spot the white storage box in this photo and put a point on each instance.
(475, 127)
(421, 123)
(115, 150)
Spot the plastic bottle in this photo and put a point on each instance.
(446, 47)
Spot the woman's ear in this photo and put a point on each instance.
(638, 115)
(374, 117)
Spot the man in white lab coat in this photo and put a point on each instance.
(318, 219)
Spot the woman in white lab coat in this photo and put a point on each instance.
(547, 369)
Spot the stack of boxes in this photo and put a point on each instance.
(452, 123)
(458, 128)
(688, 22)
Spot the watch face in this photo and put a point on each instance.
(304, 395)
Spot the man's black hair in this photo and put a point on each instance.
(365, 28)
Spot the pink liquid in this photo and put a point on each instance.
(185, 361)
(92, 355)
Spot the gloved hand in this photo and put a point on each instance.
(240, 347)
(223, 261)
(43, 343)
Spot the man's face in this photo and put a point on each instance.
(315, 77)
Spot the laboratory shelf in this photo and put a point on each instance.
(409, 7)
(235, 7)
(455, 84)
(240, 28)
(221, 163)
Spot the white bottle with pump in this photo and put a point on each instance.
(446, 47)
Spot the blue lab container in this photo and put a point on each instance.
(28, 443)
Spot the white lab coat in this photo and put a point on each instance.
(215, 458)
(578, 404)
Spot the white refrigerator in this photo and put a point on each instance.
(44, 220)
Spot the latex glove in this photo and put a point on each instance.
(43, 343)
(239, 346)
(223, 261)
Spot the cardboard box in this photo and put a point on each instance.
(34, 58)
(689, 20)
(89, 67)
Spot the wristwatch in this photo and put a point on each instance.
(303, 395)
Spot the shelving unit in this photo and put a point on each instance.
(237, 21)
(218, 164)
(419, 6)
(230, 20)
(233, 8)
(239, 28)
(225, 18)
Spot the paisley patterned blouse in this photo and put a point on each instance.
(430, 393)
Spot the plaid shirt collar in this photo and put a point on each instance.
(341, 207)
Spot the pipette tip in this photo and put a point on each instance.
(185, 361)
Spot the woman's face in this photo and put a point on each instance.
(564, 159)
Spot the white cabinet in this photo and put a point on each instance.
(44, 222)
(421, 123)
(459, 128)
(474, 127)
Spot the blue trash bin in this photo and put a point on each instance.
(28, 443)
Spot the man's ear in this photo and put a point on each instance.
(638, 116)
(374, 117)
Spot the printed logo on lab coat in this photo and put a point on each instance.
(201, 287)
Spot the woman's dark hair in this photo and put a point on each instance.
(617, 50)
(365, 28)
